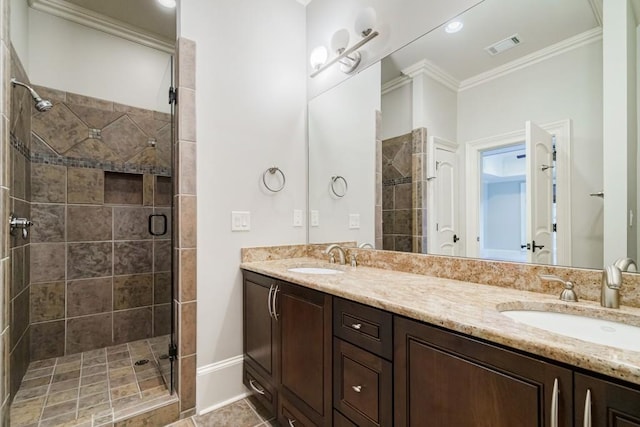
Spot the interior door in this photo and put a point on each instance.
(539, 169)
(446, 194)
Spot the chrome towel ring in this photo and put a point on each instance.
(272, 171)
(334, 180)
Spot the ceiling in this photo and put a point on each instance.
(462, 55)
(146, 15)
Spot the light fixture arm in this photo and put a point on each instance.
(346, 52)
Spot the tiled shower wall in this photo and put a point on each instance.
(403, 192)
(20, 189)
(98, 276)
(5, 261)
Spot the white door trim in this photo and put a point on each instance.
(562, 131)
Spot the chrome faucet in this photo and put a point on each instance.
(365, 245)
(332, 258)
(612, 281)
(568, 294)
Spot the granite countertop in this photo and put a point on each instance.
(469, 308)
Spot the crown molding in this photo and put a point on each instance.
(571, 43)
(430, 69)
(394, 84)
(91, 19)
(596, 7)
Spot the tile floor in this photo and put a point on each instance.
(243, 413)
(92, 388)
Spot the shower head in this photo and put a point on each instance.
(41, 104)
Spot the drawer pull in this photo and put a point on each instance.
(357, 388)
(256, 389)
(587, 409)
(356, 325)
(554, 405)
(291, 422)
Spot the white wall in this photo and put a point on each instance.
(70, 57)
(251, 114)
(567, 86)
(19, 29)
(396, 112)
(342, 141)
(435, 108)
(399, 22)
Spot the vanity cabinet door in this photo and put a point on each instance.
(260, 327)
(602, 403)
(305, 351)
(445, 379)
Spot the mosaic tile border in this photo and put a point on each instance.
(87, 163)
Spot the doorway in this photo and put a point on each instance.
(542, 195)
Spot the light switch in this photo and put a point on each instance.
(240, 221)
(297, 217)
(315, 218)
(354, 221)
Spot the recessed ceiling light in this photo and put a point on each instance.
(168, 3)
(453, 27)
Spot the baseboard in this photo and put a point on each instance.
(219, 384)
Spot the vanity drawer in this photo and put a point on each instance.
(340, 420)
(290, 416)
(362, 385)
(364, 326)
(261, 388)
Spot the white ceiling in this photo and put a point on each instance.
(538, 23)
(147, 15)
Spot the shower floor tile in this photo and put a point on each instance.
(93, 388)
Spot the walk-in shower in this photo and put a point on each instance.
(40, 104)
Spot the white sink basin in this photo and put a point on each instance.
(314, 270)
(584, 328)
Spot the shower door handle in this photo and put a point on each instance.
(164, 224)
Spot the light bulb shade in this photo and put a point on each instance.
(365, 21)
(168, 3)
(340, 41)
(318, 57)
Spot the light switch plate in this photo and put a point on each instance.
(354, 221)
(297, 218)
(240, 221)
(315, 218)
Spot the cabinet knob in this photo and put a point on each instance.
(356, 325)
(357, 388)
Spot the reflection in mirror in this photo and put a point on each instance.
(527, 88)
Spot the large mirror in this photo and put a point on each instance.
(485, 142)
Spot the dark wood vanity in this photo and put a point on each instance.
(313, 359)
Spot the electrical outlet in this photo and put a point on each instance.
(240, 221)
(315, 218)
(354, 221)
(297, 218)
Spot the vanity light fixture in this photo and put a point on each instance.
(454, 27)
(349, 58)
(318, 57)
(168, 3)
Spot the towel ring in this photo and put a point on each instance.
(273, 170)
(335, 179)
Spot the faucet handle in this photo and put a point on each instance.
(332, 258)
(568, 294)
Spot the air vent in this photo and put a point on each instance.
(503, 45)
